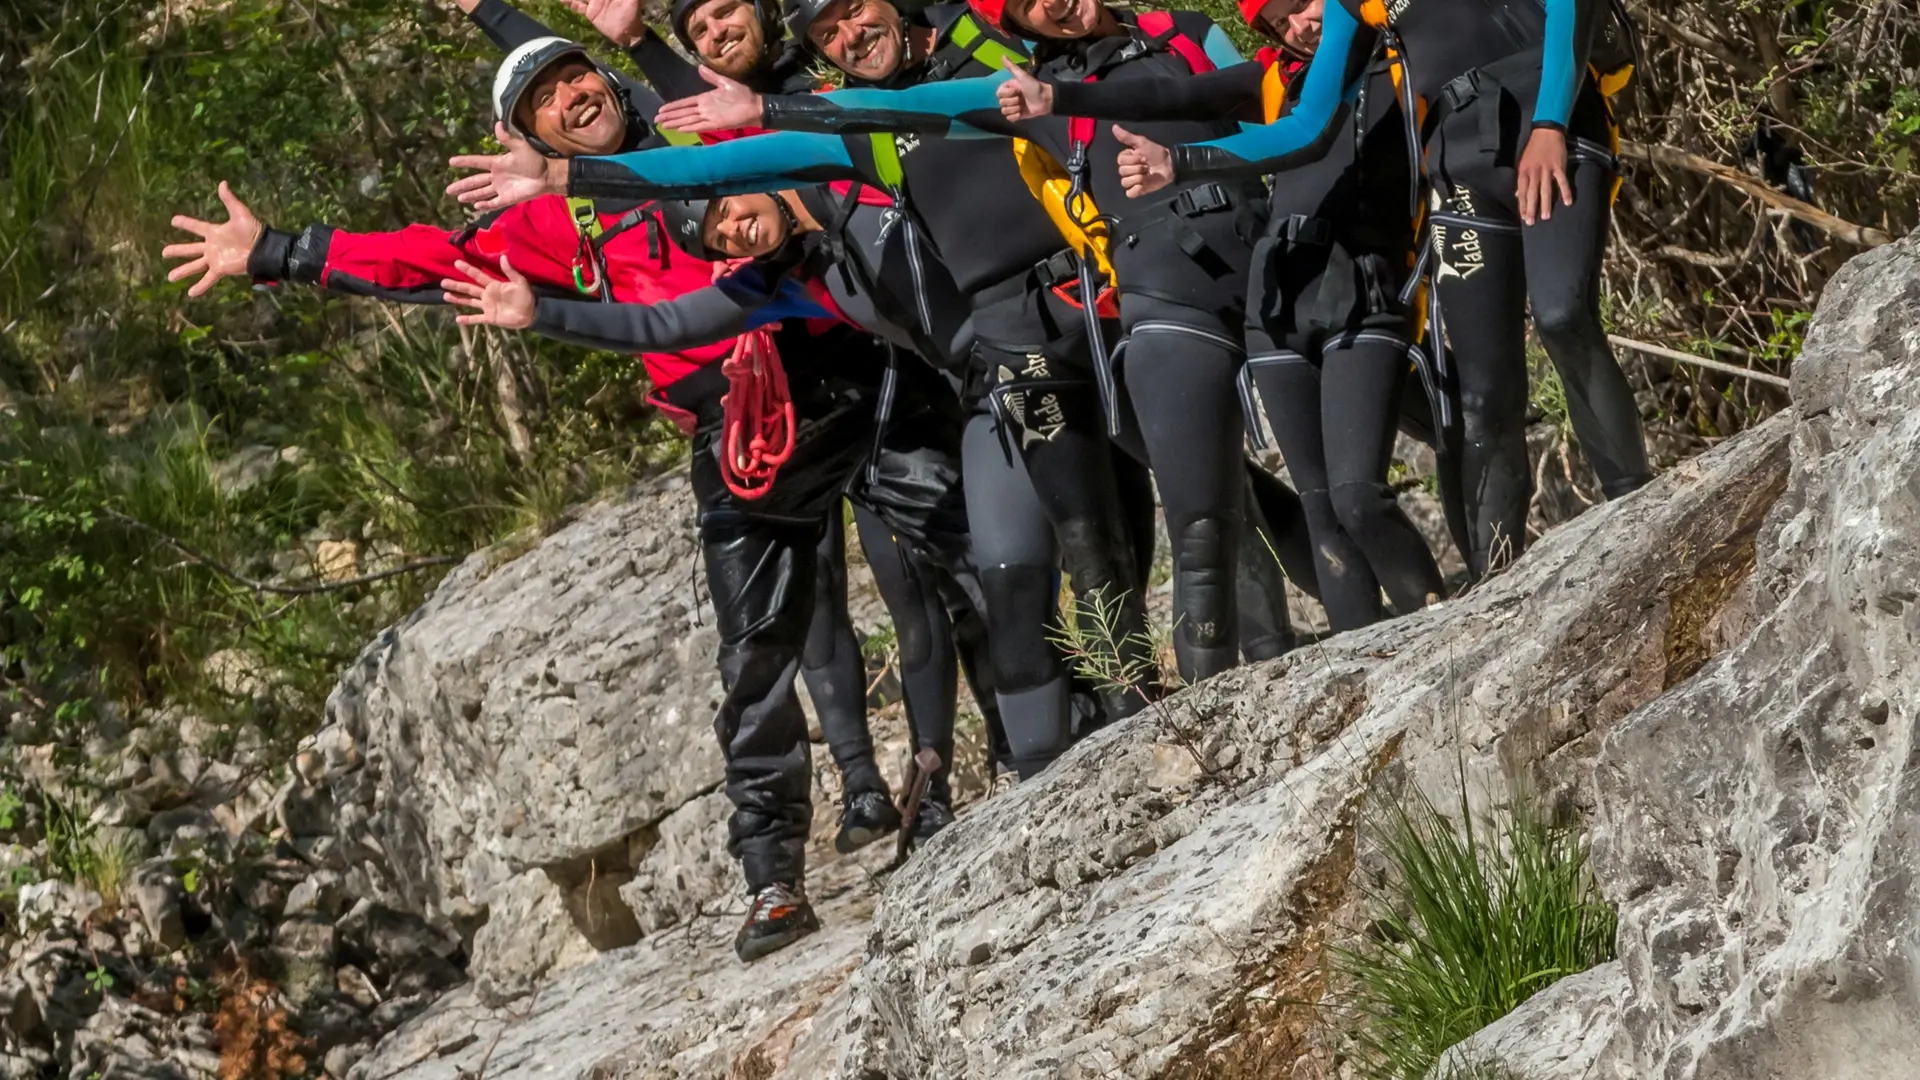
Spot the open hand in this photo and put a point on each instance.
(727, 106)
(500, 180)
(504, 302)
(1145, 165)
(222, 250)
(1023, 97)
(623, 22)
(1543, 166)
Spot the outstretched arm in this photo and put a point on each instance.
(1303, 134)
(763, 163)
(1229, 92)
(957, 108)
(505, 25)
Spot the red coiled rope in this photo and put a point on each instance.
(758, 416)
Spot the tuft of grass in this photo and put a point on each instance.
(1472, 921)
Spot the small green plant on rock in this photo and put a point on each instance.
(1473, 919)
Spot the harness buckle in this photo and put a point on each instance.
(1204, 199)
(1306, 229)
(1462, 90)
(1057, 268)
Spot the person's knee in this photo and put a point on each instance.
(1362, 508)
(1566, 319)
(1488, 414)
(1204, 560)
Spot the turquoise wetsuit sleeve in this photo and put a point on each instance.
(1307, 131)
(1219, 48)
(736, 167)
(1563, 60)
(951, 109)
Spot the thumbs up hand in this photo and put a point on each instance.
(1145, 165)
(1023, 97)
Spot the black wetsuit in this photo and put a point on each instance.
(1492, 70)
(1033, 369)
(831, 664)
(1327, 336)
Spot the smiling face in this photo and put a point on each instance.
(744, 226)
(728, 35)
(1294, 24)
(1059, 18)
(570, 108)
(864, 38)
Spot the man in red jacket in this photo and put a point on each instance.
(760, 553)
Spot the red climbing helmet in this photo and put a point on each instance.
(1250, 11)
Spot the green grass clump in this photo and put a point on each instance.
(1472, 921)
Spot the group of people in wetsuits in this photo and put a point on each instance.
(1028, 265)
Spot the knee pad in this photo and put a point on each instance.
(1019, 606)
(1361, 508)
(1203, 563)
(1094, 559)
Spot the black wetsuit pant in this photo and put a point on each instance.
(1043, 490)
(1489, 267)
(761, 560)
(1179, 371)
(929, 621)
(1332, 388)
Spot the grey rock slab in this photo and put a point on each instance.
(531, 714)
(1559, 1033)
(677, 1005)
(1760, 826)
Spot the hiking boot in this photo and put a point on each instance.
(933, 817)
(865, 816)
(777, 916)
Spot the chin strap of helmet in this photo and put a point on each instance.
(757, 434)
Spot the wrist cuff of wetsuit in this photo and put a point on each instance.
(267, 262)
(1192, 161)
(308, 259)
(787, 110)
(594, 178)
(546, 318)
(1550, 125)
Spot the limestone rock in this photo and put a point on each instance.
(156, 891)
(528, 936)
(533, 715)
(1557, 1034)
(686, 868)
(1760, 826)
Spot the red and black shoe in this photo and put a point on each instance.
(777, 916)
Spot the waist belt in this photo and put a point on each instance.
(1060, 268)
(1518, 72)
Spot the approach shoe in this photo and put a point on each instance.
(865, 816)
(777, 916)
(933, 817)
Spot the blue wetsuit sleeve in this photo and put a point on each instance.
(951, 109)
(1563, 61)
(1220, 49)
(1307, 131)
(738, 166)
